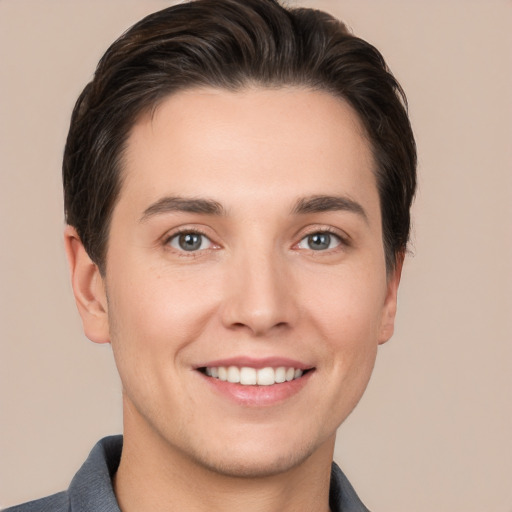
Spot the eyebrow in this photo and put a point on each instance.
(323, 203)
(305, 205)
(181, 204)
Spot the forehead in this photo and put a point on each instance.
(225, 144)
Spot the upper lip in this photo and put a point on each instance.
(262, 362)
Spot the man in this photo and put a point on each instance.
(238, 179)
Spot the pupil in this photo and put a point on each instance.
(190, 241)
(319, 241)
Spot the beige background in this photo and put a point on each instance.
(434, 431)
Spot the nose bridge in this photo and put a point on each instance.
(259, 294)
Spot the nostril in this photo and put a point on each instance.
(258, 311)
(259, 328)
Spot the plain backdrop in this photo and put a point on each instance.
(434, 430)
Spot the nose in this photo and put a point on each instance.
(259, 294)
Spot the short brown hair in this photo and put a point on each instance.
(231, 44)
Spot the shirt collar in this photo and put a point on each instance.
(91, 488)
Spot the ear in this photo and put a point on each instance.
(88, 288)
(387, 326)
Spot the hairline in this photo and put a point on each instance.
(148, 109)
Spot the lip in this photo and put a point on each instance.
(257, 396)
(257, 363)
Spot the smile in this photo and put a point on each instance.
(248, 376)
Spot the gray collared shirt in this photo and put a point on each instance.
(91, 488)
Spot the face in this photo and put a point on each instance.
(246, 245)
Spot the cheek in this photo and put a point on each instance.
(349, 317)
(349, 307)
(152, 322)
(352, 344)
(156, 313)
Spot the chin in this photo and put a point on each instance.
(260, 467)
(255, 459)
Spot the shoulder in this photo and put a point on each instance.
(55, 503)
(90, 489)
(342, 496)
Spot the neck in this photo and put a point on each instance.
(153, 475)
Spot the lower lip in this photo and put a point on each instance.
(258, 396)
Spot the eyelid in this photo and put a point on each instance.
(181, 230)
(176, 240)
(343, 238)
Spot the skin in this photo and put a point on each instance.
(255, 288)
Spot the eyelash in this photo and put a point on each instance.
(343, 241)
(187, 231)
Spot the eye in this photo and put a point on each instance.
(190, 241)
(320, 241)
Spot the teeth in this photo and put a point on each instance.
(280, 374)
(251, 376)
(223, 373)
(248, 376)
(266, 376)
(233, 374)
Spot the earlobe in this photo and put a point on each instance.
(88, 288)
(390, 305)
